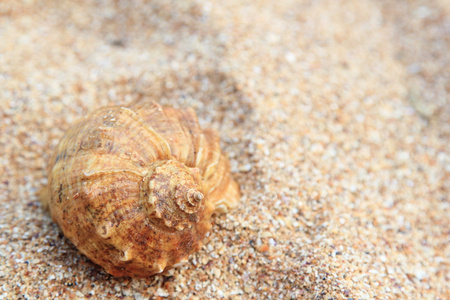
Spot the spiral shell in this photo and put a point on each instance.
(134, 187)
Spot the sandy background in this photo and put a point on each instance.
(335, 114)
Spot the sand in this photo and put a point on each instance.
(335, 115)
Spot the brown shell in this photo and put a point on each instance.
(134, 188)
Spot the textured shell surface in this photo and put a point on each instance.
(134, 187)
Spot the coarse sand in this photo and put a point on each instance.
(335, 115)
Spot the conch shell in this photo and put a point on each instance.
(134, 187)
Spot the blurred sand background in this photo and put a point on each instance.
(335, 115)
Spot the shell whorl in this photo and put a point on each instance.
(172, 194)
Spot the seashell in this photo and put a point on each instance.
(134, 187)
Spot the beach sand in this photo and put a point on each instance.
(335, 115)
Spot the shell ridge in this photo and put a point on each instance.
(189, 121)
(213, 153)
(98, 173)
(183, 149)
(162, 143)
